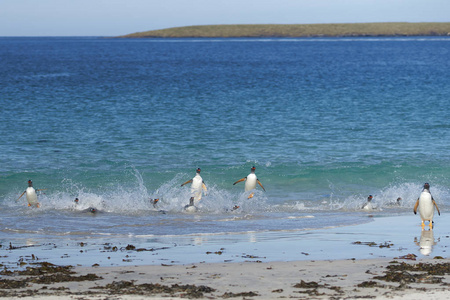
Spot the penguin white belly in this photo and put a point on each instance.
(368, 206)
(426, 208)
(196, 188)
(190, 208)
(31, 196)
(250, 183)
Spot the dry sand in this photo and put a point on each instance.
(340, 279)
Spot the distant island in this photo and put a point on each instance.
(299, 30)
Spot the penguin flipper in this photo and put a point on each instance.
(415, 206)
(437, 208)
(204, 187)
(242, 179)
(259, 182)
(189, 181)
(21, 196)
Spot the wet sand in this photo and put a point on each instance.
(389, 258)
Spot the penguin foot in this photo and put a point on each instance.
(423, 225)
(431, 225)
(250, 196)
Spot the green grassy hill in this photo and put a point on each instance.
(300, 30)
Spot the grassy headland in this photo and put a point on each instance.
(299, 30)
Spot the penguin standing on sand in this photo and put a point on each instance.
(426, 205)
(250, 182)
(368, 205)
(197, 185)
(31, 195)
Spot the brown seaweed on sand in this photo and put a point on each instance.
(129, 288)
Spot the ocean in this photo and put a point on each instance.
(117, 122)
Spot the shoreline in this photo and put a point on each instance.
(345, 262)
(381, 237)
(299, 30)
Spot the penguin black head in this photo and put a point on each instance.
(369, 198)
(30, 183)
(253, 169)
(76, 200)
(426, 186)
(198, 170)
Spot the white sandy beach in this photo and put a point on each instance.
(338, 263)
(249, 280)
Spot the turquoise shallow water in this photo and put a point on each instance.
(115, 122)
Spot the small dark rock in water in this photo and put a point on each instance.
(130, 247)
(410, 256)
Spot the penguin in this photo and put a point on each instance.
(233, 209)
(154, 201)
(368, 205)
(31, 195)
(91, 210)
(250, 182)
(197, 185)
(426, 205)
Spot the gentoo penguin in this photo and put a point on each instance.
(426, 205)
(250, 182)
(197, 184)
(31, 195)
(233, 209)
(90, 209)
(154, 201)
(368, 205)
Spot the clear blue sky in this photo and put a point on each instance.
(117, 17)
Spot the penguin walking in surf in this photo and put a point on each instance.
(250, 182)
(368, 205)
(197, 186)
(426, 205)
(31, 195)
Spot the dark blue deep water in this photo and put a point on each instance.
(115, 122)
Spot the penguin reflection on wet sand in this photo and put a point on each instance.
(31, 195)
(250, 182)
(426, 242)
(197, 185)
(368, 205)
(425, 203)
